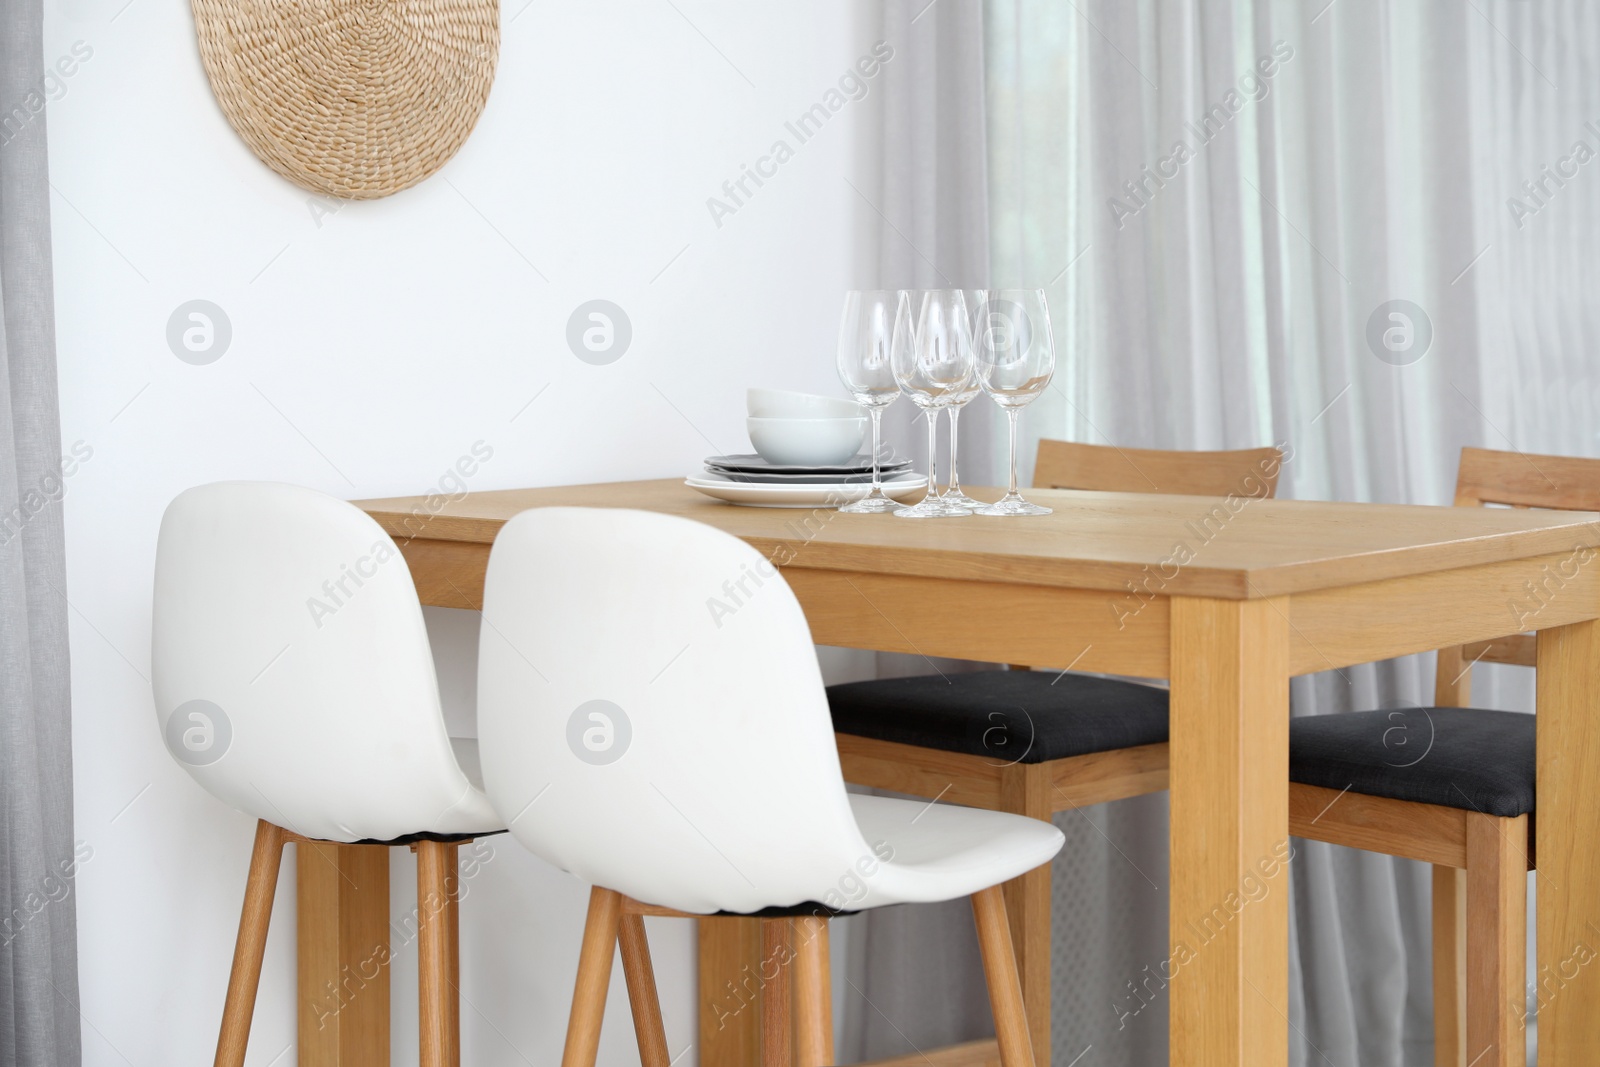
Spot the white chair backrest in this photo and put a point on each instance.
(652, 717)
(291, 667)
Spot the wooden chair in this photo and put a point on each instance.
(1081, 740)
(1251, 472)
(1480, 859)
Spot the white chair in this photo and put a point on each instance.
(681, 759)
(293, 680)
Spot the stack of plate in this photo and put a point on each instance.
(754, 481)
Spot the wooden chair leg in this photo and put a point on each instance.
(642, 997)
(813, 992)
(1026, 789)
(1449, 967)
(453, 974)
(776, 956)
(1497, 923)
(594, 978)
(437, 953)
(1000, 968)
(259, 889)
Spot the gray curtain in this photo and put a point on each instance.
(1387, 156)
(38, 948)
(923, 202)
(924, 211)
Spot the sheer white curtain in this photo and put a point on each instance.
(1336, 157)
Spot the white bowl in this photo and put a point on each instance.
(782, 404)
(807, 442)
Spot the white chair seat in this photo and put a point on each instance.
(942, 852)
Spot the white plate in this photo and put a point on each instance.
(766, 495)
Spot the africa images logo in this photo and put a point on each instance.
(198, 733)
(1399, 332)
(599, 332)
(1253, 86)
(599, 732)
(199, 332)
(853, 85)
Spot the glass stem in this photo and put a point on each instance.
(1011, 419)
(933, 452)
(955, 473)
(877, 417)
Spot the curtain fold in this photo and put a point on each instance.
(1228, 205)
(926, 219)
(39, 1024)
(924, 203)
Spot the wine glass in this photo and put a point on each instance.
(932, 370)
(1014, 359)
(866, 337)
(953, 493)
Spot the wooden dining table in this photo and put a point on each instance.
(1228, 599)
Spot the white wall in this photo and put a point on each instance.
(370, 349)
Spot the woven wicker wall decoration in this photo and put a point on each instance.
(356, 99)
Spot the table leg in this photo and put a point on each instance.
(1450, 966)
(730, 992)
(1230, 824)
(343, 920)
(1567, 836)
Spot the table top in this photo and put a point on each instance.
(1171, 545)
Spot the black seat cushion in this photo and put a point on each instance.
(1009, 716)
(1454, 757)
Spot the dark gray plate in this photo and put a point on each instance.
(754, 464)
(778, 478)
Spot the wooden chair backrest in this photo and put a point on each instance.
(1251, 472)
(1519, 480)
(1560, 483)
